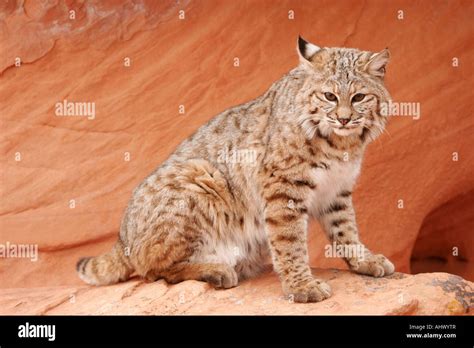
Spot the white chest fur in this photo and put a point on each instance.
(340, 176)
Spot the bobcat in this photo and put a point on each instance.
(214, 218)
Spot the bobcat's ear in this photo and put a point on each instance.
(306, 50)
(377, 62)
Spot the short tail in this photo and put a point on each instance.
(109, 268)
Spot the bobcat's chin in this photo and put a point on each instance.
(343, 132)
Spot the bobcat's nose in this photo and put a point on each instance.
(343, 121)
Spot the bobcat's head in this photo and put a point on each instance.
(344, 91)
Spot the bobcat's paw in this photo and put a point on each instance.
(373, 265)
(221, 277)
(311, 290)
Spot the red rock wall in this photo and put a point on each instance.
(190, 62)
(449, 225)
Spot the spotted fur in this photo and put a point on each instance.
(204, 218)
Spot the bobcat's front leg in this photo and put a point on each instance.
(339, 222)
(286, 224)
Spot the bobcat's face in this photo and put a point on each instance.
(345, 109)
(346, 89)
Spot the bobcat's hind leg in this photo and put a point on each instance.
(192, 206)
(218, 275)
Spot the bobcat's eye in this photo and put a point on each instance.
(358, 97)
(330, 96)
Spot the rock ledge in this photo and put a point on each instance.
(399, 294)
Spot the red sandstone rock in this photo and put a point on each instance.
(190, 62)
(399, 294)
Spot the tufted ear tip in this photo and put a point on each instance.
(306, 50)
(301, 44)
